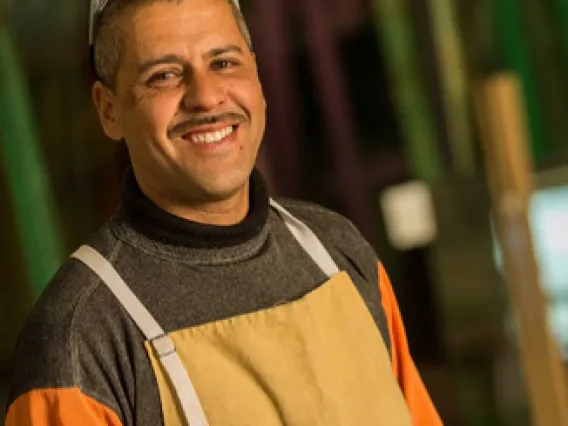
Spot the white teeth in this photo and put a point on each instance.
(211, 137)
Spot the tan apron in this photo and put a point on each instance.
(317, 361)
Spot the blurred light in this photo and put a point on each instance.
(408, 210)
(548, 214)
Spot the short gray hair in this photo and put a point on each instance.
(108, 41)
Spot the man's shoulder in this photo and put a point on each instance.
(336, 232)
(325, 221)
(47, 344)
(315, 214)
(73, 282)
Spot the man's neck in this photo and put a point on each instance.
(203, 226)
(226, 212)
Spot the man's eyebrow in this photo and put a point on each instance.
(222, 50)
(166, 59)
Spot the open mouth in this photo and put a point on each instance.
(212, 137)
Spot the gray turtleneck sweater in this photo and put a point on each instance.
(80, 341)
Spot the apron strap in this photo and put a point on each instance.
(163, 345)
(308, 240)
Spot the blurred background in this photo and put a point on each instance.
(373, 112)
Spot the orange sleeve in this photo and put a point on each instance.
(59, 407)
(421, 407)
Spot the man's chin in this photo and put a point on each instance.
(223, 188)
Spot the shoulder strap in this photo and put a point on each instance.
(308, 240)
(313, 246)
(163, 345)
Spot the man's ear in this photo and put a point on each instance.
(107, 108)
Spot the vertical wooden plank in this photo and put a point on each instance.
(273, 45)
(509, 172)
(334, 100)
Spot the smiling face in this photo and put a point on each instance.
(188, 103)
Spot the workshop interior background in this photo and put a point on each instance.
(372, 109)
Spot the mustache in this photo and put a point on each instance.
(188, 125)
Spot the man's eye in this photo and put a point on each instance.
(223, 64)
(162, 77)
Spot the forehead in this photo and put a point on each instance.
(177, 26)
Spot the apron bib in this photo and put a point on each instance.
(317, 361)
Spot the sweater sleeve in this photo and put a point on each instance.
(59, 407)
(419, 403)
(68, 366)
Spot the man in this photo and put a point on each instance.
(203, 301)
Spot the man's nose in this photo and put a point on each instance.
(204, 93)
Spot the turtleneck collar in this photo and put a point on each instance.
(157, 224)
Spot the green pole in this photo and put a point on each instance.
(394, 29)
(451, 67)
(26, 172)
(561, 9)
(514, 48)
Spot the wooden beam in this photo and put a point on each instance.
(509, 171)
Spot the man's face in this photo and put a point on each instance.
(188, 101)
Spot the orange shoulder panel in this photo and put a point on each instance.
(59, 407)
(421, 407)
